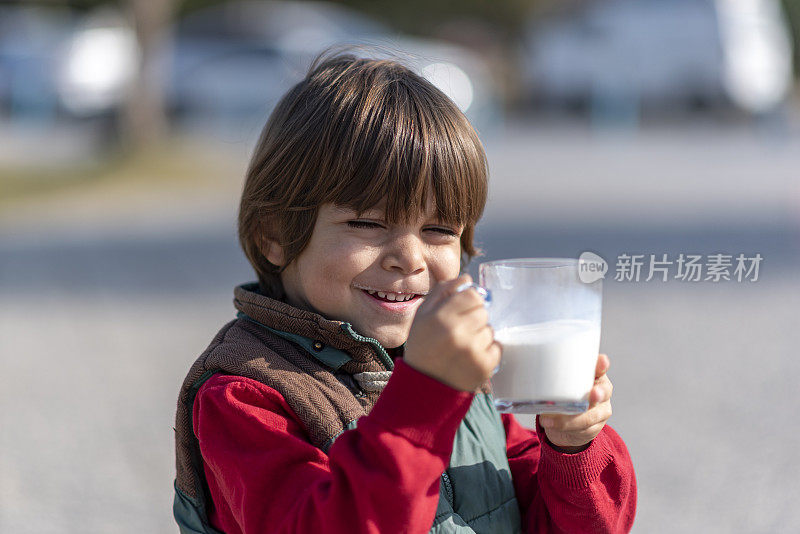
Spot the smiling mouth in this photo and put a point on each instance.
(398, 298)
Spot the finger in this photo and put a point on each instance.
(592, 432)
(464, 302)
(495, 353)
(567, 424)
(474, 319)
(601, 391)
(603, 363)
(444, 290)
(485, 337)
(599, 413)
(583, 435)
(587, 435)
(455, 283)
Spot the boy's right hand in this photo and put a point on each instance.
(451, 340)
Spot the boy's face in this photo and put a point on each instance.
(349, 259)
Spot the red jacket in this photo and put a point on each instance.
(265, 476)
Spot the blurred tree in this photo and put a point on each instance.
(145, 121)
(424, 17)
(494, 29)
(792, 9)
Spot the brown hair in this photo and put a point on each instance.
(353, 133)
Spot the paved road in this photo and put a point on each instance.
(97, 329)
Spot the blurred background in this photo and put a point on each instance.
(612, 126)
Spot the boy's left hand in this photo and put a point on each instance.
(573, 433)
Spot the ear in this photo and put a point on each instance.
(273, 251)
(271, 247)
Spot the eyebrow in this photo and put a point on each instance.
(350, 211)
(379, 213)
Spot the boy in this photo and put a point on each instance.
(350, 394)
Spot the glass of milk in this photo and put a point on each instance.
(548, 323)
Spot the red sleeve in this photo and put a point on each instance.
(265, 476)
(591, 491)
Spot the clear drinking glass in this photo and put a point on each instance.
(548, 323)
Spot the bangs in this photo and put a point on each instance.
(393, 137)
(362, 134)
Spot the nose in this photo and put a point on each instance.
(405, 253)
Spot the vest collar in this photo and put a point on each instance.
(334, 343)
(330, 356)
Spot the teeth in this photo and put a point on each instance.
(396, 297)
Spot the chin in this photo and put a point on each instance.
(392, 343)
(390, 340)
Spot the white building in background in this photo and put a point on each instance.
(757, 53)
(661, 52)
(99, 64)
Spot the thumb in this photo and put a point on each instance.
(603, 363)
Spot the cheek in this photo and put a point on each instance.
(446, 263)
(338, 262)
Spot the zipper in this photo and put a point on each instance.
(448, 488)
(383, 356)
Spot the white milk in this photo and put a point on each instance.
(549, 361)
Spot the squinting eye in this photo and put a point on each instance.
(363, 224)
(444, 231)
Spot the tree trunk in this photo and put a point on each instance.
(144, 120)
